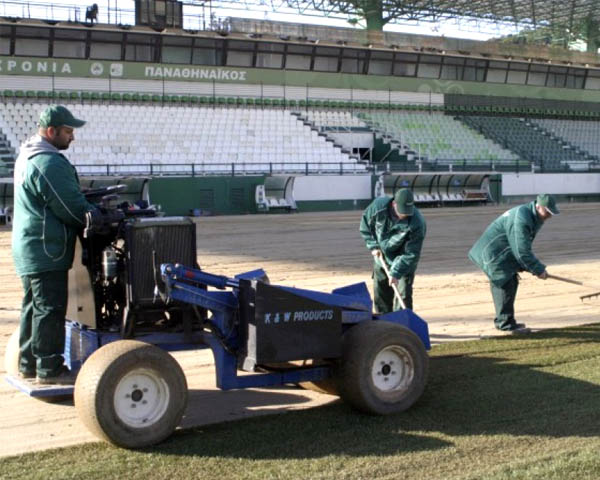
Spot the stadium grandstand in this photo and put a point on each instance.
(240, 115)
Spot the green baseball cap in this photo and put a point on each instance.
(549, 202)
(59, 116)
(405, 202)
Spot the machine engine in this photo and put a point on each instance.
(115, 280)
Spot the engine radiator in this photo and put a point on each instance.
(160, 240)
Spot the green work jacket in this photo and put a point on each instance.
(505, 247)
(400, 241)
(49, 209)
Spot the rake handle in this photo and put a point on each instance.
(389, 276)
(563, 279)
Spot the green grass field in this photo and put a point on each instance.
(506, 408)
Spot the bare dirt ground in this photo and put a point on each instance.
(323, 251)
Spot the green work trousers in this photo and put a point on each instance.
(385, 300)
(42, 336)
(504, 303)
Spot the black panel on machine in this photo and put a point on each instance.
(280, 326)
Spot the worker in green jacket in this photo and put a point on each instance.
(504, 250)
(393, 230)
(49, 212)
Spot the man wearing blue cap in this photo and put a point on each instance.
(504, 250)
(393, 230)
(49, 211)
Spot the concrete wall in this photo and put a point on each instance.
(559, 184)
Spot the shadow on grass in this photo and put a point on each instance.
(546, 385)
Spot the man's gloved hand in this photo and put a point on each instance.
(393, 281)
(543, 275)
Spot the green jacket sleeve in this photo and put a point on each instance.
(407, 262)
(58, 185)
(367, 229)
(520, 239)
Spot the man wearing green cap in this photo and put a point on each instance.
(393, 230)
(504, 250)
(49, 211)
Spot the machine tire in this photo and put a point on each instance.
(367, 377)
(12, 354)
(129, 369)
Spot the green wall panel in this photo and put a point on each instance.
(214, 195)
(331, 205)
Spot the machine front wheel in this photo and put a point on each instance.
(384, 367)
(131, 394)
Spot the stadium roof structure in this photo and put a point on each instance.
(522, 12)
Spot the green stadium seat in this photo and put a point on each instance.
(95, 96)
(30, 94)
(41, 94)
(292, 103)
(221, 101)
(276, 102)
(231, 100)
(146, 97)
(185, 99)
(175, 99)
(267, 101)
(126, 97)
(302, 103)
(258, 101)
(156, 98)
(195, 99)
(212, 100)
(19, 94)
(135, 97)
(85, 95)
(249, 101)
(204, 100)
(74, 95)
(63, 95)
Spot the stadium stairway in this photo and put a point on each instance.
(7, 155)
(582, 134)
(530, 141)
(436, 137)
(323, 122)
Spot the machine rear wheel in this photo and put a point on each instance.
(384, 367)
(131, 394)
(12, 353)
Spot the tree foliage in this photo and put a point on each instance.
(376, 13)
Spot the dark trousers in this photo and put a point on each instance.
(42, 336)
(504, 302)
(385, 300)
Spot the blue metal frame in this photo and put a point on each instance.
(187, 285)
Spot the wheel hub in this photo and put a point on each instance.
(393, 369)
(141, 398)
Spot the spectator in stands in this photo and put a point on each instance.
(504, 250)
(91, 13)
(49, 211)
(393, 230)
